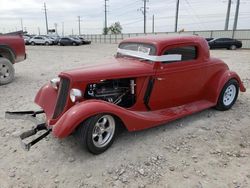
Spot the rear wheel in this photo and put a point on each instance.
(97, 133)
(74, 44)
(46, 43)
(228, 95)
(32, 43)
(232, 47)
(7, 71)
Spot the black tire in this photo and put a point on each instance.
(46, 43)
(232, 47)
(74, 44)
(222, 104)
(33, 43)
(85, 131)
(7, 71)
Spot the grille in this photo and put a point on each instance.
(62, 97)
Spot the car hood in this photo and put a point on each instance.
(111, 68)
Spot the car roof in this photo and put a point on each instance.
(160, 41)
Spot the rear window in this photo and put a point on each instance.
(187, 52)
(140, 47)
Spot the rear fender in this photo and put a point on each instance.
(218, 82)
(8, 53)
(80, 112)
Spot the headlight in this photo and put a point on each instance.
(75, 95)
(55, 82)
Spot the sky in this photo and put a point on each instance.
(193, 15)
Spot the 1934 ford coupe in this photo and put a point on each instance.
(150, 81)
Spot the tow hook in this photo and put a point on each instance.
(26, 134)
(29, 115)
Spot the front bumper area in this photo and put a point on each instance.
(29, 115)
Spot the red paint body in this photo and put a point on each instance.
(179, 89)
(14, 46)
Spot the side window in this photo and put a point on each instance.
(186, 52)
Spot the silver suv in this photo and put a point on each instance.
(40, 40)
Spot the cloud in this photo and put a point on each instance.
(193, 15)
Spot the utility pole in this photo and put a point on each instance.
(46, 18)
(176, 15)
(228, 14)
(38, 31)
(22, 24)
(153, 24)
(79, 24)
(62, 28)
(105, 22)
(145, 14)
(55, 27)
(236, 15)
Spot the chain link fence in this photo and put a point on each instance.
(242, 35)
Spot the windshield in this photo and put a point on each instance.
(147, 49)
(140, 47)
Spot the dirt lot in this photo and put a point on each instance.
(208, 149)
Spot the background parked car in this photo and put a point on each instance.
(77, 39)
(84, 41)
(228, 43)
(209, 39)
(55, 38)
(26, 39)
(68, 41)
(40, 40)
(12, 50)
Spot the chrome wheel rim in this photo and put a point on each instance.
(229, 95)
(103, 131)
(4, 72)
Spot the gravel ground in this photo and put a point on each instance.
(207, 149)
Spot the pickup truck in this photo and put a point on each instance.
(151, 81)
(12, 50)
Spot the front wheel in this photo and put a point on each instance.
(7, 71)
(97, 133)
(228, 95)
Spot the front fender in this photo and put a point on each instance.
(133, 120)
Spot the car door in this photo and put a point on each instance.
(39, 40)
(36, 40)
(67, 41)
(221, 43)
(178, 82)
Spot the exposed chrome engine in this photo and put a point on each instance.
(120, 91)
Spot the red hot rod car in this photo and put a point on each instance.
(150, 81)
